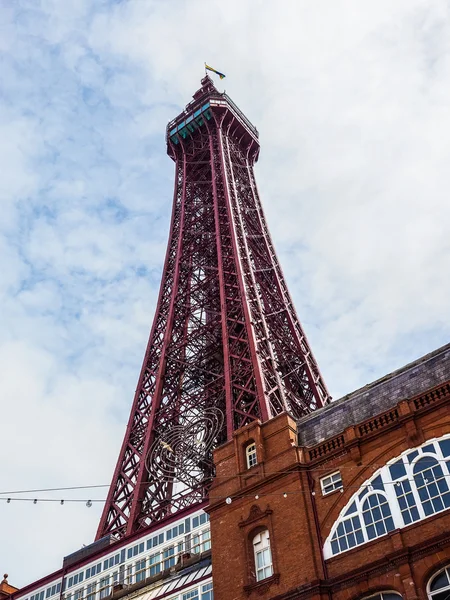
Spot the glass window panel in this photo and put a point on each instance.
(397, 470)
(441, 595)
(442, 580)
(351, 510)
(377, 483)
(445, 447)
(429, 448)
(371, 532)
(412, 455)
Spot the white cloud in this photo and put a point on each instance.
(352, 107)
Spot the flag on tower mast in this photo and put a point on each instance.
(208, 68)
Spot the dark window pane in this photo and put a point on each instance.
(428, 509)
(351, 510)
(334, 547)
(397, 470)
(414, 513)
(359, 536)
(440, 581)
(389, 524)
(381, 530)
(377, 483)
(437, 504)
(371, 532)
(445, 447)
(406, 517)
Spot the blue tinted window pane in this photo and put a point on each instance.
(389, 524)
(348, 526)
(363, 493)
(351, 540)
(376, 513)
(412, 455)
(351, 510)
(371, 532)
(429, 448)
(397, 470)
(415, 514)
(428, 509)
(377, 483)
(437, 504)
(359, 537)
(445, 447)
(187, 525)
(334, 547)
(130, 552)
(380, 527)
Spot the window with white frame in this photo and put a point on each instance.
(104, 587)
(154, 562)
(250, 453)
(207, 591)
(263, 555)
(439, 585)
(384, 596)
(90, 591)
(330, 483)
(407, 489)
(201, 542)
(140, 570)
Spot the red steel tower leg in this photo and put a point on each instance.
(226, 346)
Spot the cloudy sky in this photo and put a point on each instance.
(352, 103)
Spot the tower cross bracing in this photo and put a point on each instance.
(226, 346)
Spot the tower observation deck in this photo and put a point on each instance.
(226, 346)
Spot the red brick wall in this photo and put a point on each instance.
(300, 522)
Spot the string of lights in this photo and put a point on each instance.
(374, 466)
(228, 499)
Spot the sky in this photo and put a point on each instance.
(351, 100)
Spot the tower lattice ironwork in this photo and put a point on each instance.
(226, 346)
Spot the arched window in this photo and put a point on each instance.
(250, 455)
(408, 488)
(439, 585)
(377, 516)
(431, 485)
(263, 555)
(384, 596)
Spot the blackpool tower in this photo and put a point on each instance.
(226, 346)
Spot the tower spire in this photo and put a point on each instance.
(226, 346)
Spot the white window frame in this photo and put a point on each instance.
(250, 455)
(331, 481)
(261, 549)
(431, 595)
(393, 482)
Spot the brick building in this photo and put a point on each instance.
(350, 502)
